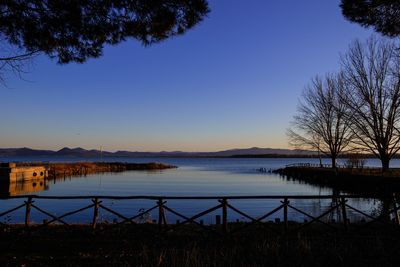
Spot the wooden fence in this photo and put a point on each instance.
(338, 166)
(222, 204)
(314, 165)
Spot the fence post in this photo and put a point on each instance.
(344, 214)
(224, 215)
(95, 212)
(285, 213)
(28, 211)
(161, 215)
(217, 219)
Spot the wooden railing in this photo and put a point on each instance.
(339, 166)
(223, 204)
(313, 165)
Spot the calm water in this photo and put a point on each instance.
(194, 177)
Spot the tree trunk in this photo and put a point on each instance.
(320, 159)
(385, 163)
(333, 162)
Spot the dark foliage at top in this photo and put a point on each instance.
(382, 15)
(75, 30)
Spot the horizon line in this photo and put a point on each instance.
(159, 151)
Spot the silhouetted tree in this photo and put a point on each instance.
(382, 15)
(320, 122)
(74, 30)
(372, 76)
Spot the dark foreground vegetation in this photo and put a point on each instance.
(143, 245)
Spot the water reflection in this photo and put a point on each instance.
(23, 187)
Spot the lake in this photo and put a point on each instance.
(193, 177)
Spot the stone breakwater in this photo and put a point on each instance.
(57, 170)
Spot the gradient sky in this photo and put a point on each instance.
(231, 82)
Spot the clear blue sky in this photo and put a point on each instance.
(232, 81)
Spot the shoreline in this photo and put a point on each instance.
(363, 180)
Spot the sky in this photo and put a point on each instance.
(231, 82)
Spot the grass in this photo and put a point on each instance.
(143, 245)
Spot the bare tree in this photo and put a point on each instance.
(372, 76)
(320, 122)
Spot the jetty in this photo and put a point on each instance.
(59, 170)
(29, 177)
(24, 171)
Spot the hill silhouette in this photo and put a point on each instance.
(81, 152)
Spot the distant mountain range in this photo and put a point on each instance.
(80, 152)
